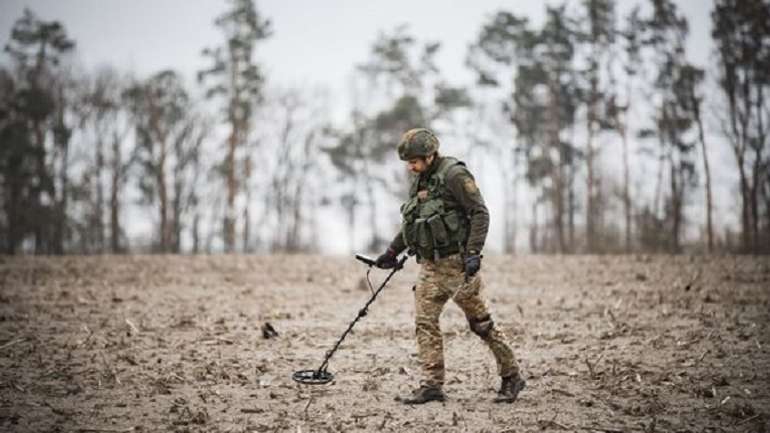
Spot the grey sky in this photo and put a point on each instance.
(314, 42)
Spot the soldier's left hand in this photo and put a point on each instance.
(472, 265)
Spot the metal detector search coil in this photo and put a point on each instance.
(321, 376)
(312, 377)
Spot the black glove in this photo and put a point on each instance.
(472, 265)
(387, 260)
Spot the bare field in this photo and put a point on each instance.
(171, 343)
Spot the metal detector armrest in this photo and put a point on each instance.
(366, 259)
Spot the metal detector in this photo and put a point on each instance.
(321, 375)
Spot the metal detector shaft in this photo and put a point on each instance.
(361, 313)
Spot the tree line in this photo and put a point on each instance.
(599, 127)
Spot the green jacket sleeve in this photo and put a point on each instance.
(463, 187)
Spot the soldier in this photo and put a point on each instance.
(445, 223)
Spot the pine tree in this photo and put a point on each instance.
(235, 77)
(741, 31)
(37, 48)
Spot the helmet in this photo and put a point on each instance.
(417, 142)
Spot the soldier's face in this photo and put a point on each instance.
(419, 165)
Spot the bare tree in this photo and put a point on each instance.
(103, 128)
(542, 106)
(741, 31)
(598, 36)
(666, 34)
(294, 178)
(690, 100)
(403, 89)
(236, 77)
(167, 143)
(619, 114)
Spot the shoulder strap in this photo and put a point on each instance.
(447, 164)
(413, 188)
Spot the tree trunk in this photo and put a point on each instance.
(554, 142)
(561, 237)
(175, 233)
(754, 190)
(296, 229)
(659, 183)
(115, 211)
(61, 142)
(506, 221)
(547, 238)
(16, 229)
(246, 207)
(626, 182)
(591, 175)
(707, 174)
(232, 145)
(375, 240)
(590, 230)
(160, 179)
(514, 206)
(229, 220)
(99, 206)
(351, 218)
(116, 186)
(760, 165)
(571, 207)
(61, 213)
(508, 180)
(246, 240)
(746, 239)
(41, 219)
(738, 142)
(509, 211)
(766, 248)
(676, 205)
(246, 236)
(533, 230)
(196, 233)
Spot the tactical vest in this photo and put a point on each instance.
(435, 226)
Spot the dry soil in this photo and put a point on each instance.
(172, 343)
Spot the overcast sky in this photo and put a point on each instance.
(314, 42)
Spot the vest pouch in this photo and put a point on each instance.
(408, 208)
(409, 234)
(452, 222)
(431, 207)
(424, 239)
(439, 232)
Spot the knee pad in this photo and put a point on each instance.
(481, 326)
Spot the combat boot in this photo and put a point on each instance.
(510, 388)
(422, 395)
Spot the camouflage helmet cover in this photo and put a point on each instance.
(417, 142)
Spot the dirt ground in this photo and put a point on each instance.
(169, 343)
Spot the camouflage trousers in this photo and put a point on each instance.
(438, 282)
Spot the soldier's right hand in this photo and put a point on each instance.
(387, 260)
